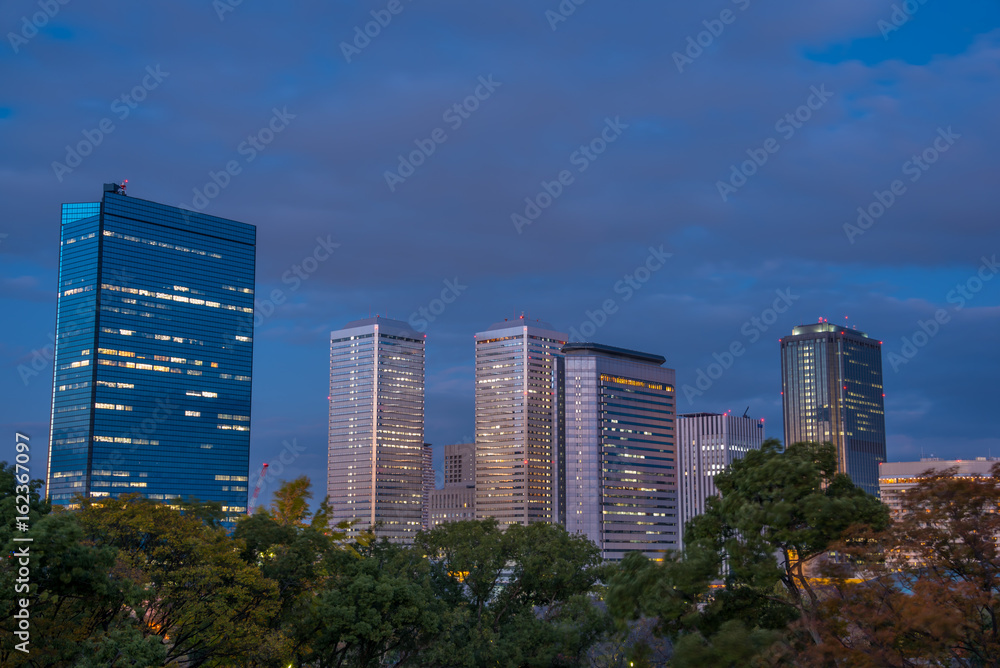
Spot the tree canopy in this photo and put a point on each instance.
(790, 565)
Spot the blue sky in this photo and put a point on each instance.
(224, 69)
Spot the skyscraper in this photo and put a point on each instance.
(376, 445)
(832, 391)
(428, 486)
(707, 444)
(620, 450)
(517, 421)
(153, 354)
(457, 499)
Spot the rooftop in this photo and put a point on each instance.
(612, 351)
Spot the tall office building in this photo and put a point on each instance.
(620, 463)
(707, 444)
(832, 391)
(428, 486)
(457, 499)
(376, 446)
(517, 421)
(153, 354)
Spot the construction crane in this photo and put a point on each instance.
(256, 490)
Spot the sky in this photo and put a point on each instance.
(672, 177)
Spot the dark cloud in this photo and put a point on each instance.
(323, 177)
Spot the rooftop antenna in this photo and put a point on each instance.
(746, 411)
(122, 186)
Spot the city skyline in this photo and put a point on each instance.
(806, 163)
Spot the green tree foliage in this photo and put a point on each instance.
(379, 609)
(777, 514)
(290, 506)
(791, 565)
(77, 604)
(520, 596)
(210, 607)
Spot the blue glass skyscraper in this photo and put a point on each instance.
(153, 354)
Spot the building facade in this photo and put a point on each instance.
(896, 478)
(832, 391)
(428, 486)
(457, 499)
(375, 454)
(517, 422)
(620, 461)
(707, 444)
(153, 354)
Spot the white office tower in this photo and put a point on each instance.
(428, 487)
(708, 443)
(619, 463)
(517, 421)
(375, 458)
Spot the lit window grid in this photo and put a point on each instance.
(832, 391)
(376, 431)
(186, 451)
(707, 446)
(516, 424)
(621, 487)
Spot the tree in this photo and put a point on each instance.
(291, 502)
(379, 609)
(521, 595)
(776, 517)
(926, 591)
(210, 607)
(77, 604)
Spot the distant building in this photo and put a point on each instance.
(620, 461)
(457, 499)
(517, 422)
(428, 487)
(832, 391)
(153, 354)
(376, 448)
(896, 478)
(707, 444)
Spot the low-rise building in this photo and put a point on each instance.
(457, 499)
(896, 478)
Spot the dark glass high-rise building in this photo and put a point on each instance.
(153, 354)
(832, 391)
